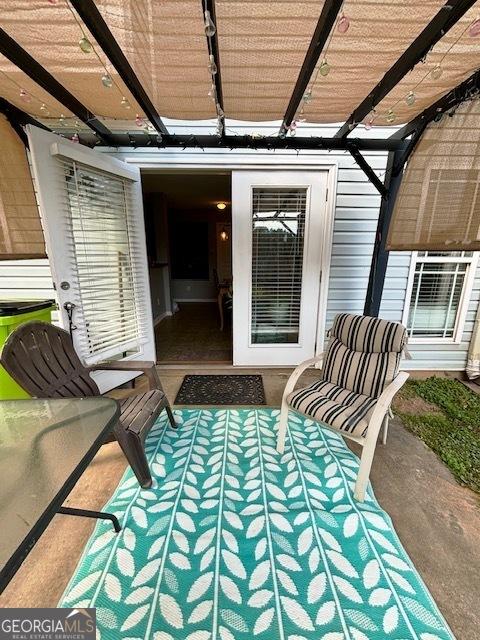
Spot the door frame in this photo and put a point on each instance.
(198, 163)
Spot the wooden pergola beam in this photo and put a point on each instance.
(213, 50)
(97, 26)
(441, 23)
(269, 143)
(324, 26)
(24, 61)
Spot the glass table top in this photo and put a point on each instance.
(42, 443)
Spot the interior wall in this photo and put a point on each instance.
(200, 290)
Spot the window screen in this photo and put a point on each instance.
(438, 285)
(103, 249)
(278, 234)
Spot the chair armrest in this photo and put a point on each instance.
(297, 372)
(147, 367)
(384, 401)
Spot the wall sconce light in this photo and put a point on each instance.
(221, 205)
(223, 234)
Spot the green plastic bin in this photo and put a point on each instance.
(12, 314)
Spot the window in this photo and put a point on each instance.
(278, 233)
(439, 288)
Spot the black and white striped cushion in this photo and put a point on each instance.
(363, 353)
(337, 407)
(362, 358)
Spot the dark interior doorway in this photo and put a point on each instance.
(189, 244)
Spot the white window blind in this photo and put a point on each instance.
(103, 248)
(438, 290)
(278, 235)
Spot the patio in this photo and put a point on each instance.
(437, 520)
(360, 235)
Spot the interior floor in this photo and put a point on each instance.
(437, 520)
(193, 335)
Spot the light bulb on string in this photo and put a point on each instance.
(343, 24)
(25, 96)
(368, 124)
(307, 96)
(210, 27)
(124, 102)
(436, 72)
(44, 109)
(75, 138)
(293, 128)
(107, 80)
(61, 120)
(391, 117)
(139, 121)
(410, 98)
(85, 45)
(324, 68)
(212, 67)
(474, 29)
(212, 94)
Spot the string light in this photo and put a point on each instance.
(139, 121)
(85, 45)
(410, 98)
(75, 138)
(343, 24)
(44, 109)
(474, 29)
(210, 28)
(391, 117)
(212, 65)
(324, 68)
(437, 71)
(107, 80)
(25, 96)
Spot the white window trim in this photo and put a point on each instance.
(472, 263)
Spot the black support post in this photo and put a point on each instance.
(378, 267)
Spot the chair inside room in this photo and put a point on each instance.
(42, 359)
(359, 378)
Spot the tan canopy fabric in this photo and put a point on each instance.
(21, 233)
(262, 45)
(438, 205)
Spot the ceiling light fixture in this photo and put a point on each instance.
(221, 205)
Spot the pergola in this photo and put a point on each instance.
(84, 68)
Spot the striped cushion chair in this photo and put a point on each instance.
(359, 378)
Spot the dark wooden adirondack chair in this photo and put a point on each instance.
(42, 359)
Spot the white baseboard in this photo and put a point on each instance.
(161, 317)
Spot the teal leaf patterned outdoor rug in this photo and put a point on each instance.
(236, 542)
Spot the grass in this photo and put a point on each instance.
(448, 421)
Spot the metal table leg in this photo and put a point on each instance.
(87, 513)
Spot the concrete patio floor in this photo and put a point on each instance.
(437, 520)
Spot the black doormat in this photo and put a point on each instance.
(216, 390)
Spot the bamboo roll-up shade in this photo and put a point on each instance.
(438, 204)
(165, 43)
(262, 46)
(21, 234)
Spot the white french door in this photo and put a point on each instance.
(278, 233)
(92, 215)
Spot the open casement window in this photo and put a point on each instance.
(438, 293)
(92, 213)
